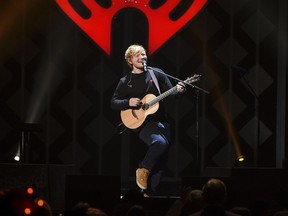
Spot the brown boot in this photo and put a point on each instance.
(142, 178)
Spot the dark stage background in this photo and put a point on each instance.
(53, 74)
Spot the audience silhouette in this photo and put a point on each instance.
(214, 193)
(211, 200)
(85, 209)
(189, 202)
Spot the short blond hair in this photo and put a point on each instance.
(131, 51)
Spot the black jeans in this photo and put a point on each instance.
(157, 137)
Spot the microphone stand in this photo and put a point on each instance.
(179, 80)
(197, 105)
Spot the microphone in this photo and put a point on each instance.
(144, 65)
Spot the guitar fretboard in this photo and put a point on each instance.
(162, 96)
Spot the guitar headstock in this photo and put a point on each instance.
(193, 79)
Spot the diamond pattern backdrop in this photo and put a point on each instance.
(53, 74)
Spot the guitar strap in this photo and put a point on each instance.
(154, 79)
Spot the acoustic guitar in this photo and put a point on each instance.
(134, 118)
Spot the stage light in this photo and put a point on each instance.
(241, 161)
(40, 203)
(30, 191)
(17, 157)
(225, 110)
(241, 158)
(27, 211)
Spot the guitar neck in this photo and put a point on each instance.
(172, 90)
(162, 96)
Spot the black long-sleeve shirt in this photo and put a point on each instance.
(137, 86)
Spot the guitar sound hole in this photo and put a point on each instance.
(145, 106)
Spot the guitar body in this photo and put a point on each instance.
(134, 118)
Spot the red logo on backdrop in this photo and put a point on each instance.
(161, 27)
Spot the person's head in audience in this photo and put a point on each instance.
(194, 202)
(136, 210)
(214, 192)
(85, 209)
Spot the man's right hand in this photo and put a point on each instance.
(134, 102)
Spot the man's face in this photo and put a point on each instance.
(138, 58)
